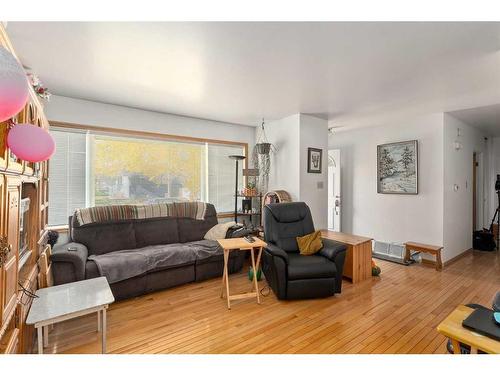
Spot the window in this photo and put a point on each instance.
(93, 169)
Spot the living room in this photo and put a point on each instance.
(194, 187)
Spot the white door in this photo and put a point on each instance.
(334, 197)
(480, 201)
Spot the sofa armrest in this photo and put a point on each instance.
(62, 257)
(277, 252)
(336, 252)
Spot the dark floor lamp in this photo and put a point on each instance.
(237, 158)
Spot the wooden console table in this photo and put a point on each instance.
(358, 260)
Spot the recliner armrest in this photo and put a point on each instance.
(277, 252)
(78, 257)
(336, 252)
(331, 249)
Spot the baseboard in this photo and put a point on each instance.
(459, 256)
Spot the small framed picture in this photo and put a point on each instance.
(314, 156)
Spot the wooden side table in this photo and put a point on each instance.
(424, 248)
(358, 260)
(452, 328)
(230, 244)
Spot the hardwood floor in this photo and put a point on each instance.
(396, 313)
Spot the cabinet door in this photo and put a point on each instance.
(10, 342)
(13, 163)
(27, 331)
(3, 145)
(10, 266)
(3, 210)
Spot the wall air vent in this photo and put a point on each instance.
(393, 252)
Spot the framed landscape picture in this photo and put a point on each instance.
(397, 168)
(314, 160)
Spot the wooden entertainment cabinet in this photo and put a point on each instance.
(20, 182)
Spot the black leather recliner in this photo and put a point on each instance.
(289, 274)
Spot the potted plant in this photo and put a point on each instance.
(250, 190)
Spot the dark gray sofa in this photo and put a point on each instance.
(104, 238)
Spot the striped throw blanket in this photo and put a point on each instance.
(102, 214)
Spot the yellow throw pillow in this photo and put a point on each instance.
(310, 244)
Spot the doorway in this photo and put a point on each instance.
(334, 186)
(478, 198)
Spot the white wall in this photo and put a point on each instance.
(391, 217)
(458, 171)
(314, 186)
(292, 136)
(285, 173)
(86, 112)
(438, 214)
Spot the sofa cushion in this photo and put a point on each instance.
(159, 231)
(309, 267)
(121, 265)
(219, 257)
(194, 230)
(102, 239)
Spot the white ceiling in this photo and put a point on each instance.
(354, 74)
(485, 118)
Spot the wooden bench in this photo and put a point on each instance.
(424, 248)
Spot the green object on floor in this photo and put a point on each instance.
(250, 274)
(376, 271)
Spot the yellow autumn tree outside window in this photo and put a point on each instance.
(145, 171)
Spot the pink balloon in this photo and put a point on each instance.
(31, 143)
(13, 86)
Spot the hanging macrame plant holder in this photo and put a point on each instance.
(263, 148)
(261, 158)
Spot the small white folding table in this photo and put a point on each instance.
(68, 301)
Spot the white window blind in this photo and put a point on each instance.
(67, 176)
(221, 176)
